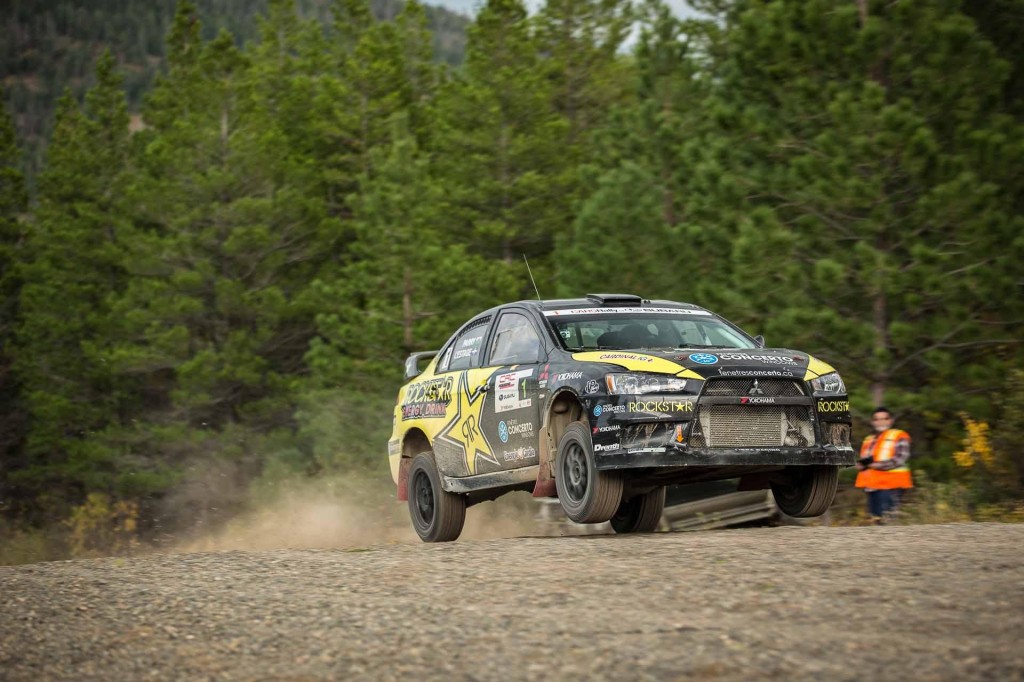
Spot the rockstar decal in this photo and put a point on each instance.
(464, 430)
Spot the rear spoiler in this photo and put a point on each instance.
(412, 363)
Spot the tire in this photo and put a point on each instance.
(586, 494)
(809, 492)
(640, 513)
(437, 515)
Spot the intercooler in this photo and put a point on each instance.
(752, 426)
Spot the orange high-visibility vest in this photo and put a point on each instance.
(882, 448)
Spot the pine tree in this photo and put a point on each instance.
(580, 41)
(71, 263)
(13, 202)
(498, 150)
(641, 178)
(407, 286)
(866, 174)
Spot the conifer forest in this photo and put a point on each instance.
(226, 229)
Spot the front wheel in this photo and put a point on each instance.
(640, 513)
(809, 491)
(586, 494)
(437, 515)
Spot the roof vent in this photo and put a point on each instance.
(615, 299)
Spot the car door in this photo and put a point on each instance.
(511, 415)
(461, 447)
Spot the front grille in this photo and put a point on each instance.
(745, 426)
(784, 388)
(837, 434)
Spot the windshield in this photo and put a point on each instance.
(638, 328)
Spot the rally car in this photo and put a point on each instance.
(602, 402)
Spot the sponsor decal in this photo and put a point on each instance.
(833, 406)
(599, 447)
(757, 401)
(424, 411)
(605, 429)
(755, 373)
(464, 353)
(592, 386)
(632, 450)
(514, 427)
(471, 341)
(703, 358)
(427, 399)
(439, 390)
(519, 454)
(766, 359)
(624, 311)
(463, 431)
(568, 376)
(608, 409)
(394, 447)
(662, 406)
(542, 378)
(625, 356)
(510, 391)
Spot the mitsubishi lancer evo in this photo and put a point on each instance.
(604, 401)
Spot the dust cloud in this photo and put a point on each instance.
(325, 515)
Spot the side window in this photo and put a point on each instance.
(465, 352)
(515, 341)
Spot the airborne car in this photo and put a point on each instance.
(602, 402)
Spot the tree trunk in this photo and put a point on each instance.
(881, 343)
(407, 314)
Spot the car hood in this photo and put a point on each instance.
(714, 362)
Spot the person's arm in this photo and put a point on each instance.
(899, 458)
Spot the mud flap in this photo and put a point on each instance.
(545, 486)
(403, 478)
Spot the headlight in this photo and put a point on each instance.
(829, 383)
(637, 384)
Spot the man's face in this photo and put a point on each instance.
(881, 421)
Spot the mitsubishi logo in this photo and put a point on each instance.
(755, 389)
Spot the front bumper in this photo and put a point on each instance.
(675, 455)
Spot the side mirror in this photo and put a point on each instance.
(412, 363)
(759, 340)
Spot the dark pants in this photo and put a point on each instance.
(880, 502)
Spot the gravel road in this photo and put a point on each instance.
(910, 602)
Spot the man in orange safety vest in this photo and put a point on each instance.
(884, 473)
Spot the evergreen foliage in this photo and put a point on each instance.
(225, 288)
(13, 202)
(50, 45)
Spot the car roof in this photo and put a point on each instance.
(600, 301)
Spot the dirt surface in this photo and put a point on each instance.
(912, 602)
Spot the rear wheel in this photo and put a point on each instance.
(437, 515)
(809, 490)
(640, 513)
(586, 494)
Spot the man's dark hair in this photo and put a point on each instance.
(881, 408)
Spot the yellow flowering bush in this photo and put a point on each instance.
(100, 527)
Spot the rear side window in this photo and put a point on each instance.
(465, 351)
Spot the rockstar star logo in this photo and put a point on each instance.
(464, 430)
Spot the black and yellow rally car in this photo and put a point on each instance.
(602, 402)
